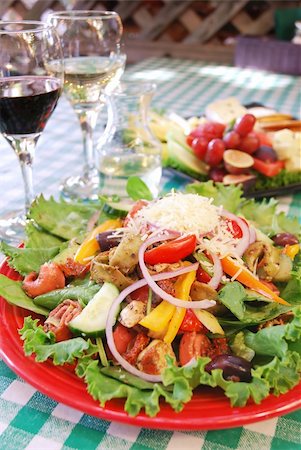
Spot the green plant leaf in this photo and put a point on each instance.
(137, 189)
(13, 293)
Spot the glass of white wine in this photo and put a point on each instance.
(94, 63)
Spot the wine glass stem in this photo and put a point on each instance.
(24, 147)
(87, 122)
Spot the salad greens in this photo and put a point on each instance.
(275, 351)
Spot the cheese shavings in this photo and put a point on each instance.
(186, 213)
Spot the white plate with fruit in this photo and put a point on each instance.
(256, 147)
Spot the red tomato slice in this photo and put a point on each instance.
(202, 275)
(140, 294)
(172, 251)
(135, 208)
(192, 345)
(191, 323)
(234, 228)
(268, 169)
(122, 337)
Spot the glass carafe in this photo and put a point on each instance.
(128, 146)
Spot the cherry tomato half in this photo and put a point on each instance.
(135, 208)
(202, 275)
(191, 323)
(122, 337)
(234, 228)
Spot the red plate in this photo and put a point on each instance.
(208, 409)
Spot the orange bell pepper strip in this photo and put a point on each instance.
(182, 290)
(90, 246)
(232, 267)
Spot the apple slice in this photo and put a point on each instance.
(237, 162)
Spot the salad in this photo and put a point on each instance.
(151, 299)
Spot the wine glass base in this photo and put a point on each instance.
(12, 227)
(80, 188)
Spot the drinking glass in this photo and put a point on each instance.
(31, 80)
(93, 65)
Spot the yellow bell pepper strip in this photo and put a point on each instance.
(90, 246)
(291, 250)
(244, 276)
(209, 321)
(182, 291)
(159, 317)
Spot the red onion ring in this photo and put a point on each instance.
(244, 241)
(252, 235)
(217, 272)
(111, 320)
(201, 304)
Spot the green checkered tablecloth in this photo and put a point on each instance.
(30, 420)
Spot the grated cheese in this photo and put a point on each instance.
(186, 213)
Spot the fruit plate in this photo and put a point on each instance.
(208, 409)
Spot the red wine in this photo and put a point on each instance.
(26, 103)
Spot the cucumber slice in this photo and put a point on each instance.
(118, 209)
(92, 320)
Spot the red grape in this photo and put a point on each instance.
(189, 139)
(217, 174)
(231, 140)
(210, 130)
(249, 143)
(199, 146)
(245, 124)
(214, 153)
(266, 153)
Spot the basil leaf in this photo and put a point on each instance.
(137, 189)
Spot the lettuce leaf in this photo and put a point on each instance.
(103, 386)
(230, 197)
(187, 378)
(267, 219)
(292, 290)
(275, 340)
(39, 238)
(43, 344)
(234, 296)
(26, 260)
(13, 293)
(62, 219)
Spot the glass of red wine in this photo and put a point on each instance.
(94, 63)
(31, 81)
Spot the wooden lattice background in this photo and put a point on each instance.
(196, 29)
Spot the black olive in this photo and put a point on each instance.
(106, 240)
(283, 239)
(234, 367)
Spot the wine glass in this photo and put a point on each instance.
(31, 81)
(93, 65)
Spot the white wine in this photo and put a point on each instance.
(87, 76)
